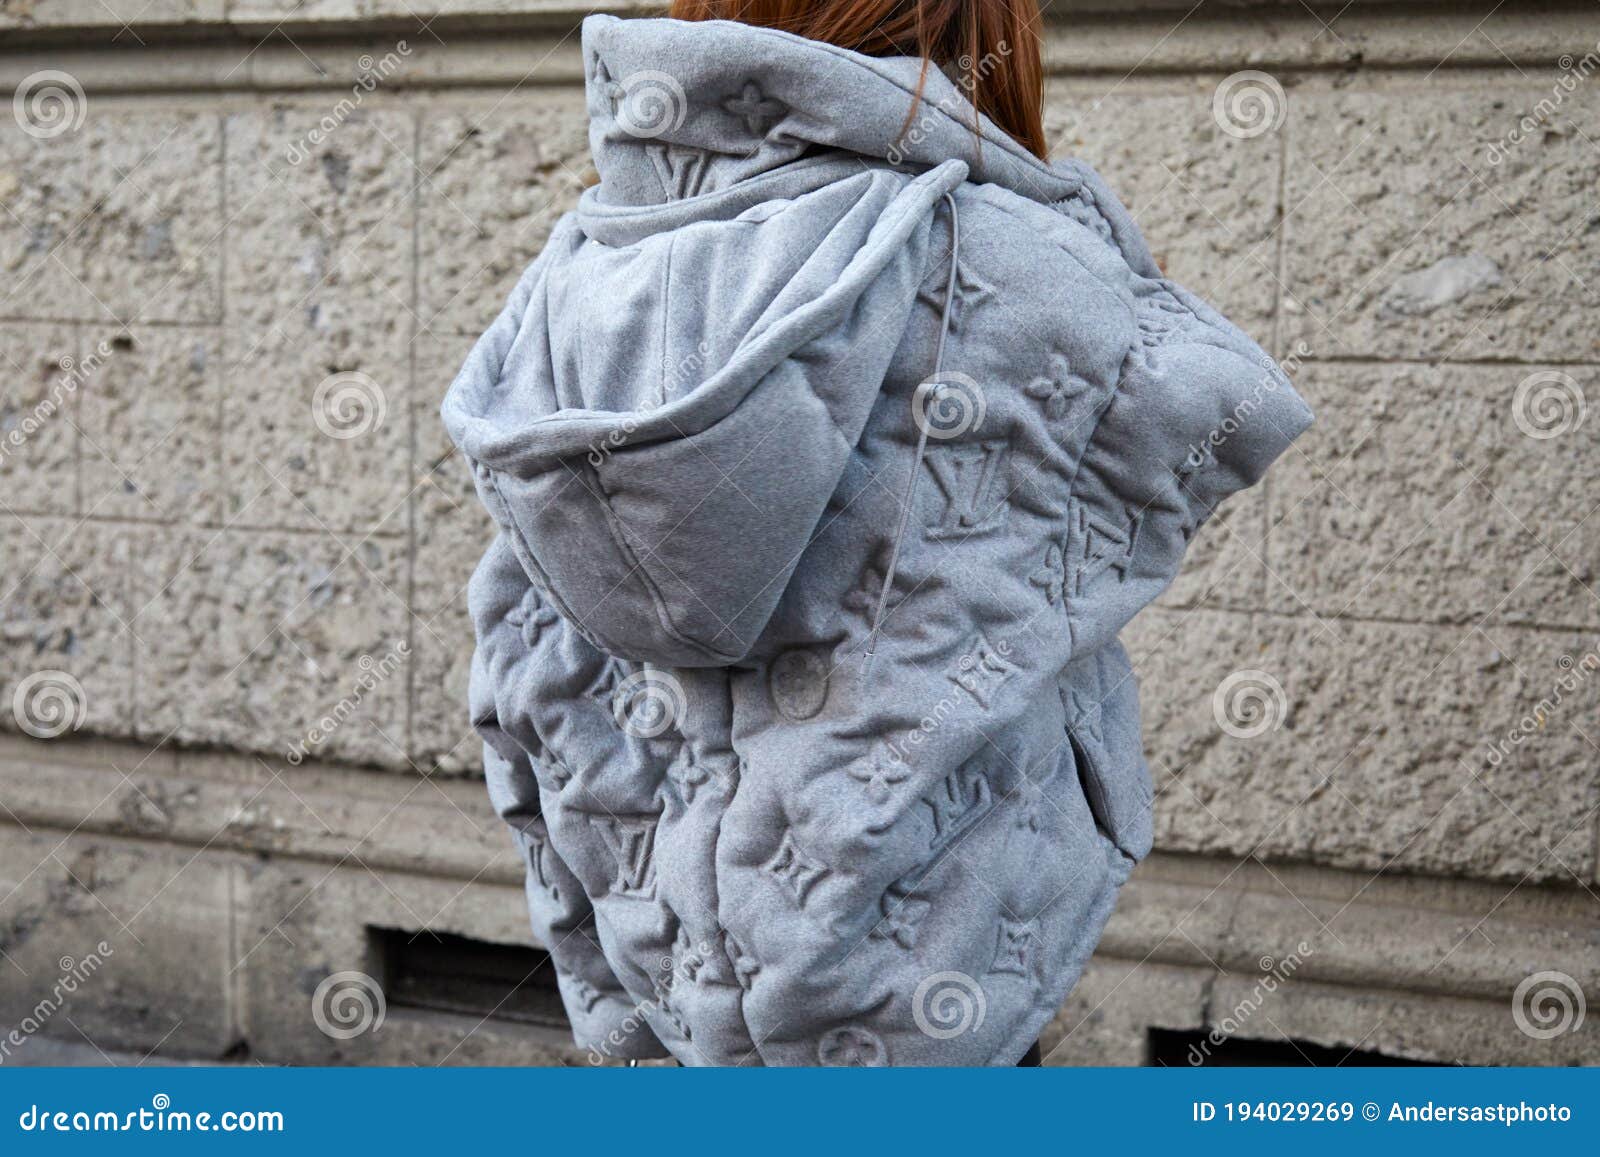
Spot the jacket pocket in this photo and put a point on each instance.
(1101, 700)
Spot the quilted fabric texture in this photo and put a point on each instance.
(797, 663)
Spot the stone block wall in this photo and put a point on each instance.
(247, 242)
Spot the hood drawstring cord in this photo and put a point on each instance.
(924, 398)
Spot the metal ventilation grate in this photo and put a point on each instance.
(1196, 1050)
(442, 972)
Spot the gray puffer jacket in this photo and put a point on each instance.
(829, 454)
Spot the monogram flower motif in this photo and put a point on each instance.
(1051, 575)
(758, 111)
(1057, 388)
(902, 915)
(531, 617)
(852, 1047)
(880, 777)
(1086, 719)
(1030, 814)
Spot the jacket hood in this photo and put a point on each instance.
(682, 111)
(731, 293)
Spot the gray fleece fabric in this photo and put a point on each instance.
(829, 454)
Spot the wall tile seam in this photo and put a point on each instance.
(1282, 216)
(1240, 965)
(1352, 360)
(125, 522)
(1314, 615)
(1399, 891)
(112, 324)
(1433, 74)
(1393, 26)
(412, 481)
(1378, 864)
(505, 871)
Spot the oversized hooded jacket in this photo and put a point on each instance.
(829, 451)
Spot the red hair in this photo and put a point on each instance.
(991, 47)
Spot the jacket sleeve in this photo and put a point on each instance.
(1199, 412)
(505, 613)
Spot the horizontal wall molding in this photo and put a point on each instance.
(536, 45)
(1417, 934)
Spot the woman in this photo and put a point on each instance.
(831, 441)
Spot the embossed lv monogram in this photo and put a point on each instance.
(682, 170)
(632, 841)
(961, 799)
(538, 844)
(1103, 547)
(971, 479)
(796, 869)
(1016, 947)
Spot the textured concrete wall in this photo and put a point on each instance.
(242, 264)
